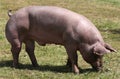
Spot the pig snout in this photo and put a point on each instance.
(97, 66)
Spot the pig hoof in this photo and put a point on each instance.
(69, 64)
(15, 65)
(35, 65)
(76, 73)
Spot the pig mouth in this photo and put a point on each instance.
(99, 68)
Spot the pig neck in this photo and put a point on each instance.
(86, 51)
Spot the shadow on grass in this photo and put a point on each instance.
(115, 31)
(59, 69)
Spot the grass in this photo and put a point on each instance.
(105, 14)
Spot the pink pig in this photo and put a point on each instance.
(55, 25)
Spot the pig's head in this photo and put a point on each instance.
(94, 55)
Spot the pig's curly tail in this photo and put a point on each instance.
(9, 13)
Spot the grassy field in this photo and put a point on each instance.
(105, 14)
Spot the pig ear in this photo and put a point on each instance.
(100, 50)
(107, 46)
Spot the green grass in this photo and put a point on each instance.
(105, 14)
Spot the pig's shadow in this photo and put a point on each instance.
(59, 69)
(115, 31)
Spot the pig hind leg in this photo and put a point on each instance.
(15, 49)
(29, 47)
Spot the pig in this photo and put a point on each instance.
(55, 25)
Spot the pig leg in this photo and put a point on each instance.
(69, 64)
(72, 55)
(30, 46)
(15, 49)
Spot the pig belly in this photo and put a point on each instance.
(47, 38)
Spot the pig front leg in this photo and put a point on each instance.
(69, 64)
(73, 57)
(30, 46)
